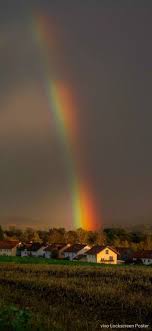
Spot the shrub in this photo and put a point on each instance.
(14, 319)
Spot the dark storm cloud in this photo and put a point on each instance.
(114, 59)
(105, 54)
(17, 50)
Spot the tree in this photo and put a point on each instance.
(117, 243)
(36, 238)
(92, 238)
(56, 235)
(124, 244)
(82, 234)
(72, 237)
(101, 238)
(44, 236)
(1, 233)
(137, 237)
(28, 234)
(147, 242)
(110, 235)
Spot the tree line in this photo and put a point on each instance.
(118, 237)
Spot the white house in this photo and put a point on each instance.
(81, 258)
(75, 250)
(102, 254)
(25, 249)
(34, 249)
(8, 248)
(143, 256)
(55, 250)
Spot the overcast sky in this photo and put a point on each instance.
(103, 51)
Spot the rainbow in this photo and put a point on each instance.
(62, 105)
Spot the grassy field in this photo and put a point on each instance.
(73, 297)
(36, 260)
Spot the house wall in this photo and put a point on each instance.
(70, 255)
(8, 252)
(106, 255)
(91, 258)
(39, 253)
(147, 261)
(14, 250)
(47, 254)
(83, 258)
(25, 252)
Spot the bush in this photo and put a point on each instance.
(14, 319)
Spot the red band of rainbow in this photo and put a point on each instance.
(62, 106)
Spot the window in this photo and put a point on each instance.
(111, 258)
(107, 251)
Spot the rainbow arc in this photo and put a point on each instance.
(62, 105)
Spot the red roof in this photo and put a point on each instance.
(97, 249)
(7, 244)
(75, 248)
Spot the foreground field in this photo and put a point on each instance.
(62, 297)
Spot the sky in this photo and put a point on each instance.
(103, 51)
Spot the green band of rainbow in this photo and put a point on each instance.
(61, 105)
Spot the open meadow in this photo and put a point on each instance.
(73, 297)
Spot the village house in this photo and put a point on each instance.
(102, 254)
(8, 248)
(75, 250)
(81, 257)
(55, 250)
(33, 249)
(23, 250)
(144, 257)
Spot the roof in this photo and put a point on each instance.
(97, 249)
(147, 254)
(34, 247)
(24, 246)
(114, 249)
(8, 244)
(51, 247)
(75, 248)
